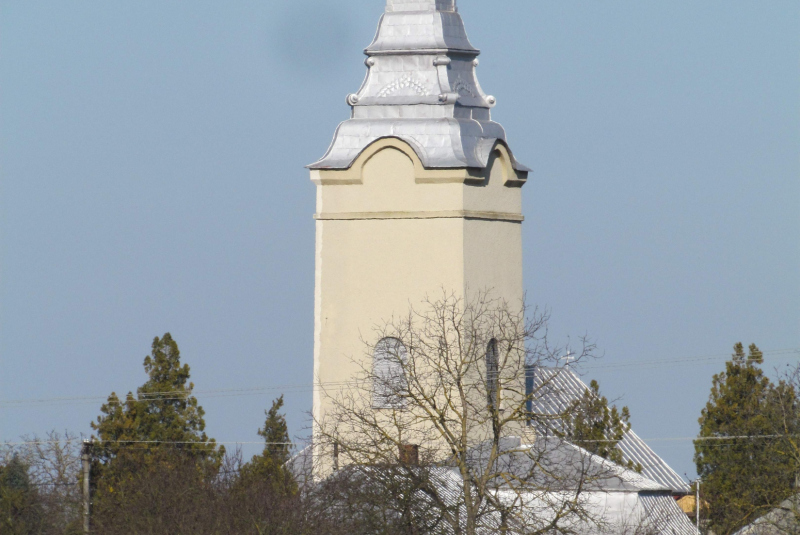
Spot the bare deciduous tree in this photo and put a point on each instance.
(447, 382)
(53, 464)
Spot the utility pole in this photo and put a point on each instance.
(86, 458)
(336, 456)
(697, 503)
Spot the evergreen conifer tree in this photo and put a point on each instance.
(20, 507)
(270, 466)
(739, 458)
(162, 421)
(592, 425)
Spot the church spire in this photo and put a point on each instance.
(421, 87)
(433, 25)
(420, 5)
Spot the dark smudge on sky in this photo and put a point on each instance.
(301, 27)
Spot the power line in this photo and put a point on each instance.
(180, 396)
(779, 353)
(154, 442)
(246, 442)
(306, 387)
(694, 439)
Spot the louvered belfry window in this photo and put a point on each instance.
(389, 378)
(492, 373)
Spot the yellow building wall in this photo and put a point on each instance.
(389, 232)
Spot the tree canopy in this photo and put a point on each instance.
(591, 424)
(20, 507)
(270, 466)
(744, 469)
(163, 414)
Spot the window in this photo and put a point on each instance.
(388, 374)
(530, 376)
(492, 373)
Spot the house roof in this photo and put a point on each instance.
(556, 464)
(662, 515)
(558, 388)
(616, 510)
(782, 520)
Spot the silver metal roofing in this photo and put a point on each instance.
(558, 388)
(420, 87)
(448, 487)
(783, 520)
(662, 515)
(621, 508)
(556, 464)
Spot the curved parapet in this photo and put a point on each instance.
(425, 174)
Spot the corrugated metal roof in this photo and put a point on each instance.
(556, 464)
(664, 515)
(448, 487)
(783, 520)
(558, 388)
(650, 512)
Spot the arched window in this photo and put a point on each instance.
(389, 381)
(530, 378)
(492, 372)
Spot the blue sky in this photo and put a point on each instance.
(152, 180)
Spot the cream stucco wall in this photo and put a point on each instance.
(389, 232)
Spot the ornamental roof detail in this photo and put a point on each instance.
(420, 87)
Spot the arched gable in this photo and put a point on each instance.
(355, 173)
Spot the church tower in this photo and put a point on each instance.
(418, 191)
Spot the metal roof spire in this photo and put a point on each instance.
(421, 25)
(420, 5)
(420, 87)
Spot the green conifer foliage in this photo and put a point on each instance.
(787, 391)
(270, 465)
(592, 425)
(743, 469)
(20, 506)
(161, 421)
